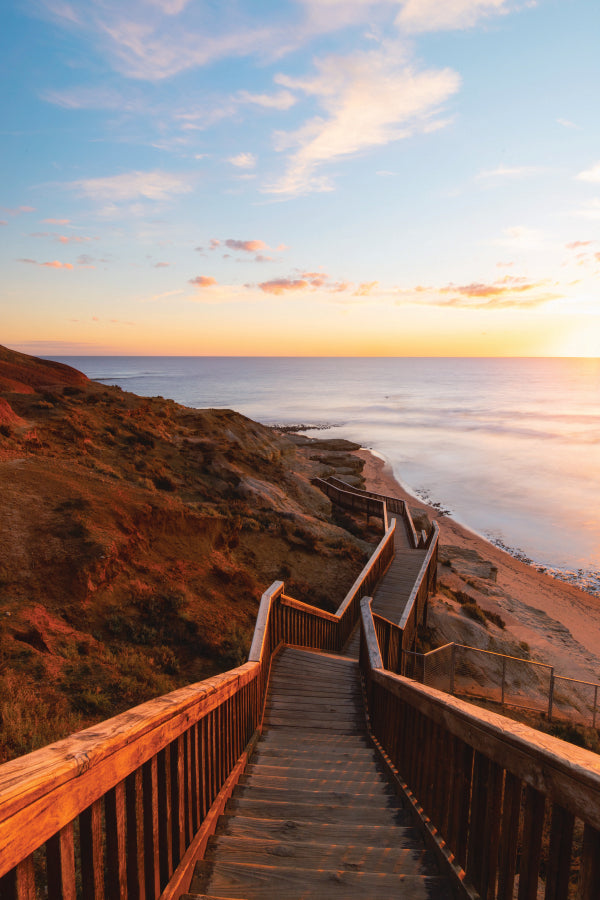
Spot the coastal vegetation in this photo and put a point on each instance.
(138, 537)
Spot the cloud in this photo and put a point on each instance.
(505, 293)
(203, 281)
(280, 100)
(3, 222)
(508, 172)
(366, 288)
(129, 186)
(62, 238)
(56, 221)
(55, 264)
(246, 246)
(243, 160)
(433, 15)
(17, 210)
(92, 97)
(521, 237)
(369, 99)
(161, 265)
(566, 123)
(592, 174)
(576, 245)
(283, 285)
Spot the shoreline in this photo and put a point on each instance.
(558, 621)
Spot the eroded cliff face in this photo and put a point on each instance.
(136, 539)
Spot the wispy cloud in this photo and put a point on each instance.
(369, 99)
(246, 246)
(243, 160)
(17, 210)
(203, 281)
(433, 15)
(156, 186)
(63, 238)
(56, 221)
(508, 172)
(280, 100)
(592, 174)
(520, 237)
(55, 264)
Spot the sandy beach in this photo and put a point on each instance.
(558, 622)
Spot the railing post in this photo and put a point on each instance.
(551, 696)
(595, 702)
(452, 668)
(503, 678)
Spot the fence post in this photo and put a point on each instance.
(595, 702)
(551, 697)
(503, 678)
(452, 668)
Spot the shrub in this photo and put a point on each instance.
(5, 430)
(475, 612)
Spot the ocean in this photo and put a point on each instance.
(509, 447)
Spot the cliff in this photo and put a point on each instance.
(137, 538)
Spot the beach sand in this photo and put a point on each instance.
(559, 623)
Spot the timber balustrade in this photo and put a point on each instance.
(394, 506)
(121, 809)
(510, 808)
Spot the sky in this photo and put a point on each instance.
(318, 177)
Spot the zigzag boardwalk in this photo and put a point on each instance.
(313, 817)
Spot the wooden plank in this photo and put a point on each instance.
(347, 833)
(589, 877)
(327, 812)
(533, 825)
(509, 837)
(151, 829)
(358, 857)
(135, 836)
(60, 865)
(251, 882)
(165, 816)
(20, 883)
(92, 852)
(559, 854)
(114, 813)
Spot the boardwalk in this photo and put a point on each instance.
(313, 817)
(394, 589)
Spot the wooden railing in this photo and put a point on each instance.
(501, 803)
(415, 611)
(394, 506)
(121, 809)
(351, 498)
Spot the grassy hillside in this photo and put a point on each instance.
(137, 537)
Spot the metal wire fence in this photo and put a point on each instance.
(507, 680)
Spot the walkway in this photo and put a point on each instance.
(394, 589)
(314, 817)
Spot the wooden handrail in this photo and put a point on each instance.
(137, 795)
(482, 786)
(352, 498)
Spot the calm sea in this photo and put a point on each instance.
(511, 447)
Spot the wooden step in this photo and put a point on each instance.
(379, 794)
(290, 830)
(355, 858)
(372, 784)
(251, 882)
(313, 737)
(348, 770)
(332, 812)
(360, 753)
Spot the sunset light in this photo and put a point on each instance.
(352, 178)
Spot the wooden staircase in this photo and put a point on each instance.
(314, 816)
